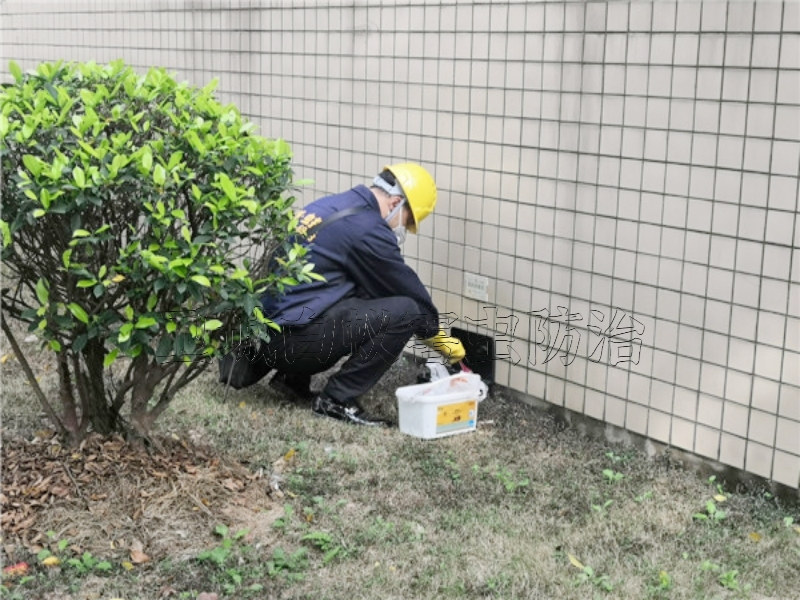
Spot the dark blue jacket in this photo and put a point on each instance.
(358, 256)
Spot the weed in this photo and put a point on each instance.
(325, 543)
(229, 559)
(286, 565)
(81, 565)
(718, 486)
(282, 522)
(661, 584)
(588, 575)
(712, 513)
(612, 476)
(220, 554)
(642, 497)
(601, 508)
(498, 583)
(87, 563)
(730, 580)
(510, 482)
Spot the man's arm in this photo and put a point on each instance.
(378, 268)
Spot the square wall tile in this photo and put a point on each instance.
(682, 434)
(658, 426)
(762, 427)
(594, 404)
(766, 395)
(732, 450)
(707, 442)
(636, 418)
(787, 436)
(615, 411)
(786, 469)
(709, 411)
(735, 419)
(739, 386)
(574, 397)
(758, 459)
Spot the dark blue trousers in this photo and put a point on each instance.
(372, 333)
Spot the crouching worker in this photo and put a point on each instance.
(370, 302)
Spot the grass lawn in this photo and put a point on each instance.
(520, 508)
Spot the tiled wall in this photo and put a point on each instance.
(622, 175)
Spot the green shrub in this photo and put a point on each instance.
(140, 217)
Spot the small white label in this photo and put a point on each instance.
(476, 286)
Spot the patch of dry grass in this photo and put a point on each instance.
(512, 510)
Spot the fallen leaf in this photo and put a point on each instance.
(207, 596)
(5, 358)
(15, 570)
(797, 529)
(51, 561)
(139, 557)
(242, 404)
(575, 562)
(720, 498)
(127, 565)
(754, 536)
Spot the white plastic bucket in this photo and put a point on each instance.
(443, 407)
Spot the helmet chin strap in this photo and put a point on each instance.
(395, 210)
(400, 230)
(392, 190)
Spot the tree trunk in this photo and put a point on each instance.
(91, 388)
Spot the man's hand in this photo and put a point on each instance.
(449, 347)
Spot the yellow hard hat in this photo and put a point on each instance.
(418, 187)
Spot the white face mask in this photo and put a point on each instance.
(400, 233)
(400, 230)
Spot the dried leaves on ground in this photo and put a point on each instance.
(143, 502)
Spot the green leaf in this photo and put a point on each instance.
(212, 325)
(42, 293)
(250, 205)
(6, 234)
(227, 187)
(85, 283)
(125, 332)
(159, 175)
(33, 163)
(78, 312)
(174, 160)
(144, 322)
(79, 176)
(146, 160)
(81, 233)
(110, 358)
(202, 280)
(15, 71)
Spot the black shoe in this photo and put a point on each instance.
(351, 413)
(295, 387)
